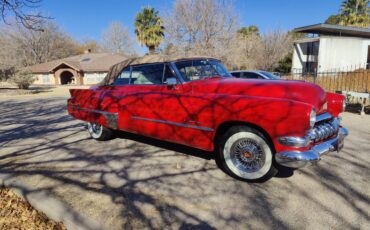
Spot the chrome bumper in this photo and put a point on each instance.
(299, 159)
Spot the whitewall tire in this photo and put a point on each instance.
(99, 132)
(246, 154)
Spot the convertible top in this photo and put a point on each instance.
(116, 69)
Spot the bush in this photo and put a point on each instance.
(22, 78)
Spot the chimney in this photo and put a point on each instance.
(87, 51)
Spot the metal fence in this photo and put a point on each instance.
(356, 81)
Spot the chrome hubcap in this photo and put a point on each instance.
(247, 155)
(94, 128)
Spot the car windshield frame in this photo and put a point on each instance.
(213, 65)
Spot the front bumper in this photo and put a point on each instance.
(299, 159)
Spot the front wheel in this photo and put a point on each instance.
(99, 132)
(246, 154)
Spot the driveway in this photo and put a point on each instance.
(137, 182)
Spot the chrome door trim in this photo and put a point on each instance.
(111, 118)
(173, 123)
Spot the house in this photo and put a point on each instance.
(331, 48)
(88, 68)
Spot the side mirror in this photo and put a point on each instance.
(171, 81)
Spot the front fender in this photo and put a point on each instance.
(277, 117)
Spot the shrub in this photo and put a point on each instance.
(22, 78)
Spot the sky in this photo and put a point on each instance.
(86, 19)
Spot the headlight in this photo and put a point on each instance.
(312, 118)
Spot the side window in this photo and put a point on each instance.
(236, 74)
(167, 73)
(123, 78)
(147, 74)
(251, 75)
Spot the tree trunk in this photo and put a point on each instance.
(151, 49)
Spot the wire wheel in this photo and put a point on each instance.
(247, 155)
(95, 130)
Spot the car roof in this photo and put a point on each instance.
(116, 69)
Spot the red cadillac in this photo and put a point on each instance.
(251, 126)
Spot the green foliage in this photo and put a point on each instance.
(22, 78)
(333, 19)
(285, 65)
(248, 31)
(149, 28)
(352, 13)
(6, 73)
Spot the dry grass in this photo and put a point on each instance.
(38, 91)
(16, 213)
(358, 81)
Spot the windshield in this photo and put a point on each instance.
(270, 75)
(201, 69)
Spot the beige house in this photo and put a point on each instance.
(84, 69)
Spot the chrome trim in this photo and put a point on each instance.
(111, 118)
(323, 117)
(174, 123)
(319, 132)
(299, 159)
(294, 141)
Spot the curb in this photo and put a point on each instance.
(53, 208)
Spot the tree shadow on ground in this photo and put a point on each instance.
(137, 182)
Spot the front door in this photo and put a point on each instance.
(150, 106)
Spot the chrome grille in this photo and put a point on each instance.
(324, 129)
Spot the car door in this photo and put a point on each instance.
(149, 106)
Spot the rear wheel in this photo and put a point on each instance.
(246, 154)
(99, 132)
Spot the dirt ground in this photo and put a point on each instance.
(133, 182)
(15, 213)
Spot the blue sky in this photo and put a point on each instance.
(88, 18)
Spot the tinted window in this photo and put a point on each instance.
(236, 74)
(270, 75)
(123, 78)
(251, 75)
(147, 74)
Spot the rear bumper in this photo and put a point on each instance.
(299, 159)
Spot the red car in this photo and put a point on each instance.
(252, 126)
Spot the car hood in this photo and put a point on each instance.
(284, 89)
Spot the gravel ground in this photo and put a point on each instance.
(136, 182)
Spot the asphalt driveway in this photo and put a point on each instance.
(136, 182)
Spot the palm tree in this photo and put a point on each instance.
(149, 28)
(355, 13)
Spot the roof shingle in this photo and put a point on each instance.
(91, 62)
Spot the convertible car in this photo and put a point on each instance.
(252, 126)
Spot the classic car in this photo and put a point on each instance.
(252, 126)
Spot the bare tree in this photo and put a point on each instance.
(201, 27)
(271, 48)
(16, 9)
(24, 47)
(116, 39)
